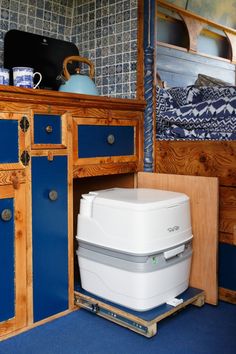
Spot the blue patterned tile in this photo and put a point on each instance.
(104, 30)
(5, 14)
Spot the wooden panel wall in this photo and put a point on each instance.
(209, 159)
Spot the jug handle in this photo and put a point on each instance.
(79, 59)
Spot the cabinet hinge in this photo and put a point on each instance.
(25, 158)
(24, 124)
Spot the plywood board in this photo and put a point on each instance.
(204, 202)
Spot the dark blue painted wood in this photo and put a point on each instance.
(227, 266)
(93, 140)
(41, 136)
(7, 263)
(50, 236)
(8, 141)
(145, 315)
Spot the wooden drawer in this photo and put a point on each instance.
(48, 131)
(100, 140)
(106, 146)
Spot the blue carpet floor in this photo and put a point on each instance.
(206, 330)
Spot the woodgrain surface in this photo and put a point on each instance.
(199, 158)
(203, 193)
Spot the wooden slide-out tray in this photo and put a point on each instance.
(144, 323)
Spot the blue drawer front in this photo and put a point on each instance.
(7, 263)
(50, 236)
(227, 266)
(9, 141)
(92, 140)
(41, 122)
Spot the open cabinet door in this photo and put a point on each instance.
(204, 202)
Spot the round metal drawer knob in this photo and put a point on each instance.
(53, 195)
(111, 139)
(6, 215)
(48, 129)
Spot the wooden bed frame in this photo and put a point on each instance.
(201, 158)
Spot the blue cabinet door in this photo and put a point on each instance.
(9, 144)
(50, 236)
(7, 261)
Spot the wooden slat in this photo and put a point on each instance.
(227, 295)
(8, 177)
(228, 238)
(203, 193)
(104, 169)
(199, 158)
(232, 39)
(194, 28)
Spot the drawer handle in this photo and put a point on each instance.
(48, 129)
(53, 195)
(6, 215)
(111, 139)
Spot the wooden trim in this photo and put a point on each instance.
(34, 325)
(69, 143)
(19, 320)
(232, 40)
(12, 176)
(49, 153)
(105, 169)
(163, 44)
(227, 295)
(228, 238)
(63, 100)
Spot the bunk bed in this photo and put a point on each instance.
(195, 127)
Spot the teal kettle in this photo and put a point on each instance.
(78, 83)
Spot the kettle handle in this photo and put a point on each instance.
(79, 59)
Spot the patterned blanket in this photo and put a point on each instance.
(196, 113)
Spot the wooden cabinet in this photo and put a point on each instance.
(13, 281)
(108, 143)
(47, 139)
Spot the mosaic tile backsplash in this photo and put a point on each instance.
(104, 31)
